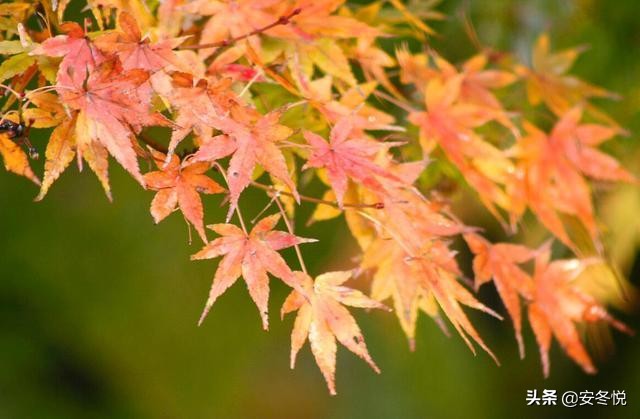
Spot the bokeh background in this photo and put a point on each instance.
(98, 306)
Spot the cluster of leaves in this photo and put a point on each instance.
(200, 69)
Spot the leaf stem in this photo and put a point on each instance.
(402, 105)
(290, 229)
(237, 208)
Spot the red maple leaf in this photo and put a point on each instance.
(348, 154)
(80, 55)
(255, 140)
(113, 105)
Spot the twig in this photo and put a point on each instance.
(283, 20)
(272, 189)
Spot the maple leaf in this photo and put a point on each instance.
(15, 159)
(322, 318)
(201, 105)
(450, 123)
(317, 20)
(61, 149)
(374, 61)
(437, 277)
(475, 81)
(395, 278)
(500, 262)
(251, 255)
(255, 140)
(348, 154)
(232, 19)
(180, 185)
(414, 68)
(80, 55)
(418, 247)
(558, 304)
(113, 105)
(553, 166)
(457, 103)
(47, 113)
(418, 231)
(436, 272)
(578, 143)
(351, 104)
(548, 81)
(477, 84)
(103, 10)
(134, 51)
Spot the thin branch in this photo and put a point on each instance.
(283, 20)
(272, 190)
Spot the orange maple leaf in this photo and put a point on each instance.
(548, 81)
(553, 166)
(395, 278)
(500, 262)
(201, 105)
(232, 19)
(251, 255)
(63, 146)
(476, 82)
(322, 319)
(179, 185)
(438, 273)
(432, 264)
(558, 304)
(134, 51)
(317, 20)
(15, 159)
(450, 122)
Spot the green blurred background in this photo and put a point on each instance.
(98, 306)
